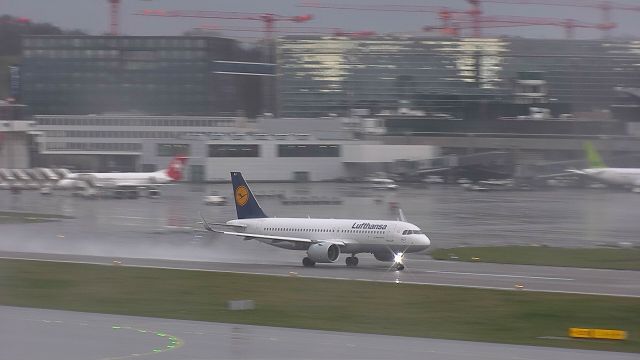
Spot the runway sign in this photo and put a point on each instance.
(597, 334)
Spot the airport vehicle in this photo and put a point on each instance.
(627, 177)
(215, 199)
(126, 184)
(322, 239)
(382, 184)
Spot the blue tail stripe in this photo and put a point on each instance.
(247, 206)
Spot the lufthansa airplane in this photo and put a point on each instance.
(322, 239)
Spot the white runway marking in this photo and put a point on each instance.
(510, 288)
(496, 275)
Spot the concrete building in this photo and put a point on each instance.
(161, 75)
(280, 157)
(325, 74)
(16, 138)
(266, 149)
(17, 134)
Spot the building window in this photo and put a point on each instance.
(173, 149)
(234, 150)
(309, 150)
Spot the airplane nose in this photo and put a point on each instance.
(426, 240)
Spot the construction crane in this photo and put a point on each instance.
(293, 30)
(268, 19)
(569, 25)
(114, 16)
(475, 20)
(606, 7)
(444, 13)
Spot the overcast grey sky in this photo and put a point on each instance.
(93, 16)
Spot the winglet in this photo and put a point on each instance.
(401, 215)
(205, 223)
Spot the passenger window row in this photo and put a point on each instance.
(327, 230)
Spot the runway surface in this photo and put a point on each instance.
(166, 232)
(448, 214)
(418, 271)
(38, 334)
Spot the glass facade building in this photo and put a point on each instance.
(322, 75)
(146, 74)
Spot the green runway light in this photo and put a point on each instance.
(116, 327)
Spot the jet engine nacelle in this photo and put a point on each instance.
(383, 255)
(323, 252)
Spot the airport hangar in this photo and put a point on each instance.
(297, 149)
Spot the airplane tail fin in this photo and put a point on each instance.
(176, 168)
(247, 206)
(593, 158)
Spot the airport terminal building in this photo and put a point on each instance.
(321, 75)
(267, 150)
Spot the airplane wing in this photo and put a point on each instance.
(270, 237)
(281, 238)
(567, 172)
(433, 171)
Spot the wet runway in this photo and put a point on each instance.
(448, 214)
(418, 271)
(166, 232)
(75, 336)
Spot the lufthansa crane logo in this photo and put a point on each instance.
(242, 195)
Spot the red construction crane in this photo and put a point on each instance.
(294, 30)
(569, 25)
(475, 14)
(604, 6)
(114, 16)
(268, 19)
(445, 14)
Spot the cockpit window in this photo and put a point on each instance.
(411, 232)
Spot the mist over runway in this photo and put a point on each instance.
(169, 228)
(450, 216)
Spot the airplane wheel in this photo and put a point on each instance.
(352, 261)
(399, 267)
(308, 262)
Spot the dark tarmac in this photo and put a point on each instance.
(37, 334)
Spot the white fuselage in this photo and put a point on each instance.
(124, 179)
(358, 236)
(615, 176)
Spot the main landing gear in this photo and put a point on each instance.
(307, 262)
(352, 261)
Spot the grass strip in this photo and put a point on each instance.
(18, 217)
(516, 317)
(619, 259)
